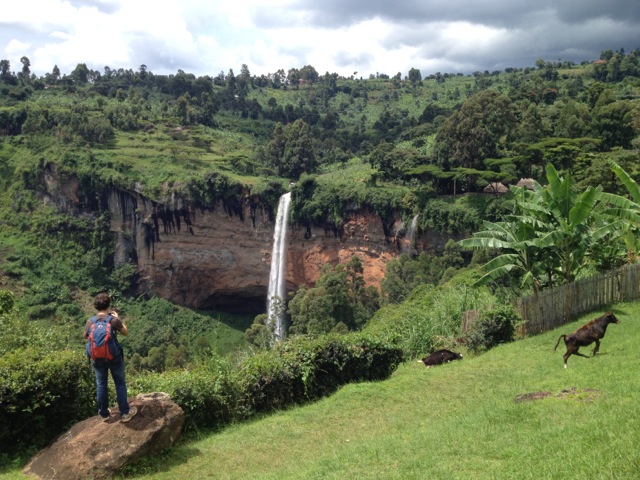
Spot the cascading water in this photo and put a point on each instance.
(276, 295)
(411, 233)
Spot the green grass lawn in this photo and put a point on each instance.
(457, 421)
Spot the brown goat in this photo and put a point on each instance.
(585, 335)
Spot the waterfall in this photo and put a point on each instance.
(276, 296)
(411, 233)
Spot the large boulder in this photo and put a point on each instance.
(93, 449)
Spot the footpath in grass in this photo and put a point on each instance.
(511, 413)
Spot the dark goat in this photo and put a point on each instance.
(585, 335)
(439, 357)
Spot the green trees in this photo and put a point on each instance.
(25, 74)
(80, 74)
(309, 74)
(290, 150)
(5, 69)
(415, 76)
(613, 123)
(480, 129)
(404, 274)
(338, 302)
(390, 161)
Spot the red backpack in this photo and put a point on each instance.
(101, 344)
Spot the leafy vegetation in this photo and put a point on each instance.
(339, 301)
(410, 148)
(496, 325)
(556, 228)
(44, 387)
(431, 317)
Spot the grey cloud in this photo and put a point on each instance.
(577, 11)
(497, 13)
(574, 30)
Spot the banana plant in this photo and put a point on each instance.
(625, 211)
(516, 236)
(568, 224)
(550, 233)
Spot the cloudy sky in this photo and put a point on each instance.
(205, 37)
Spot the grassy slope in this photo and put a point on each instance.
(456, 421)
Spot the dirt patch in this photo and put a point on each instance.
(567, 393)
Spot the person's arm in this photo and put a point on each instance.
(85, 334)
(123, 328)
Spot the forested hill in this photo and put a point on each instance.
(447, 133)
(394, 143)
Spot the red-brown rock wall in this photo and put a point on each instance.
(220, 260)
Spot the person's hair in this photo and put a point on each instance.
(102, 301)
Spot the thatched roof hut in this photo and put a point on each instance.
(526, 182)
(496, 188)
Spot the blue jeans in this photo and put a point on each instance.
(102, 368)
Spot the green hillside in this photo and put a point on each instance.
(460, 421)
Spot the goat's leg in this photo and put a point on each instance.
(572, 350)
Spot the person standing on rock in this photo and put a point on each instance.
(115, 365)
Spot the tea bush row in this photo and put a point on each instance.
(298, 371)
(41, 394)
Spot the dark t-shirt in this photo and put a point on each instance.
(116, 325)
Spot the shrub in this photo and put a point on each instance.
(42, 394)
(205, 393)
(6, 301)
(453, 218)
(297, 371)
(496, 325)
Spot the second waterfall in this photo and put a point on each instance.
(277, 292)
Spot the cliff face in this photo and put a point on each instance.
(221, 257)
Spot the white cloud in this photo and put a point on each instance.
(16, 47)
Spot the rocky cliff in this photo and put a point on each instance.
(220, 257)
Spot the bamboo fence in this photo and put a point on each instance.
(552, 308)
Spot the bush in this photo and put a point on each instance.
(297, 371)
(43, 387)
(6, 301)
(496, 325)
(205, 393)
(42, 394)
(304, 369)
